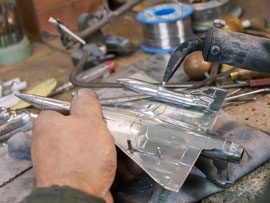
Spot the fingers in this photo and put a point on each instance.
(108, 197)
(86, 104)
(45, 118)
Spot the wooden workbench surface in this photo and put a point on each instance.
(52, 60)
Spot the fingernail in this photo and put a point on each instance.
(86, 93)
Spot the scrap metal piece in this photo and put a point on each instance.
(17, 122)
(4, 115)
(247, 94)
(66, 30)
(199, 98)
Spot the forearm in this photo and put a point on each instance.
(57, 194)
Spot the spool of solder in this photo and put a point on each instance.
(165, 26)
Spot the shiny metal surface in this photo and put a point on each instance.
(46, 103)
(205, 13)
(120, 100)
(167, 35)
(17, 122)
(193, 119)
(4, 115)
(167, 153)
(190, 118)
(247, 94)
(66, 30)
(186, 98)
(63, 107)
(161, 138)
(93, 73)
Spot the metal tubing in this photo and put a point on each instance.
(248, 93)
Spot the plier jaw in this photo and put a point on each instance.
(179, 55)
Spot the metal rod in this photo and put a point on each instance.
(65, 29)
(247, 93)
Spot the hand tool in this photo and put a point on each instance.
(248, 83)
(240, 50)
(247, 74)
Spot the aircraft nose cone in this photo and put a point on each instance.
(25, 97)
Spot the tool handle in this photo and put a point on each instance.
(237, 49)
(260, 82)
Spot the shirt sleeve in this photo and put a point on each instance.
(56, 194)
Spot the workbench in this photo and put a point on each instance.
(50, 60)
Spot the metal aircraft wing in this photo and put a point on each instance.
(164, 152)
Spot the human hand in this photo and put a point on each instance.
(75, 150)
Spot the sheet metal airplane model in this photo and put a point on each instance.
(164, 134)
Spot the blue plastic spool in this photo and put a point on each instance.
(163, 13)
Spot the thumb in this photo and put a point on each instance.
(86, 103)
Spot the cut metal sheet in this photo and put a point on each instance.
(166, 152)
(164, 142)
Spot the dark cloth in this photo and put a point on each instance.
(56, 194)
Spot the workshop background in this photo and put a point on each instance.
(39, 56)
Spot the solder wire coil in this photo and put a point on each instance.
(165, 26)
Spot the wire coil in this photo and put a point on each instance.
(165, 26)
